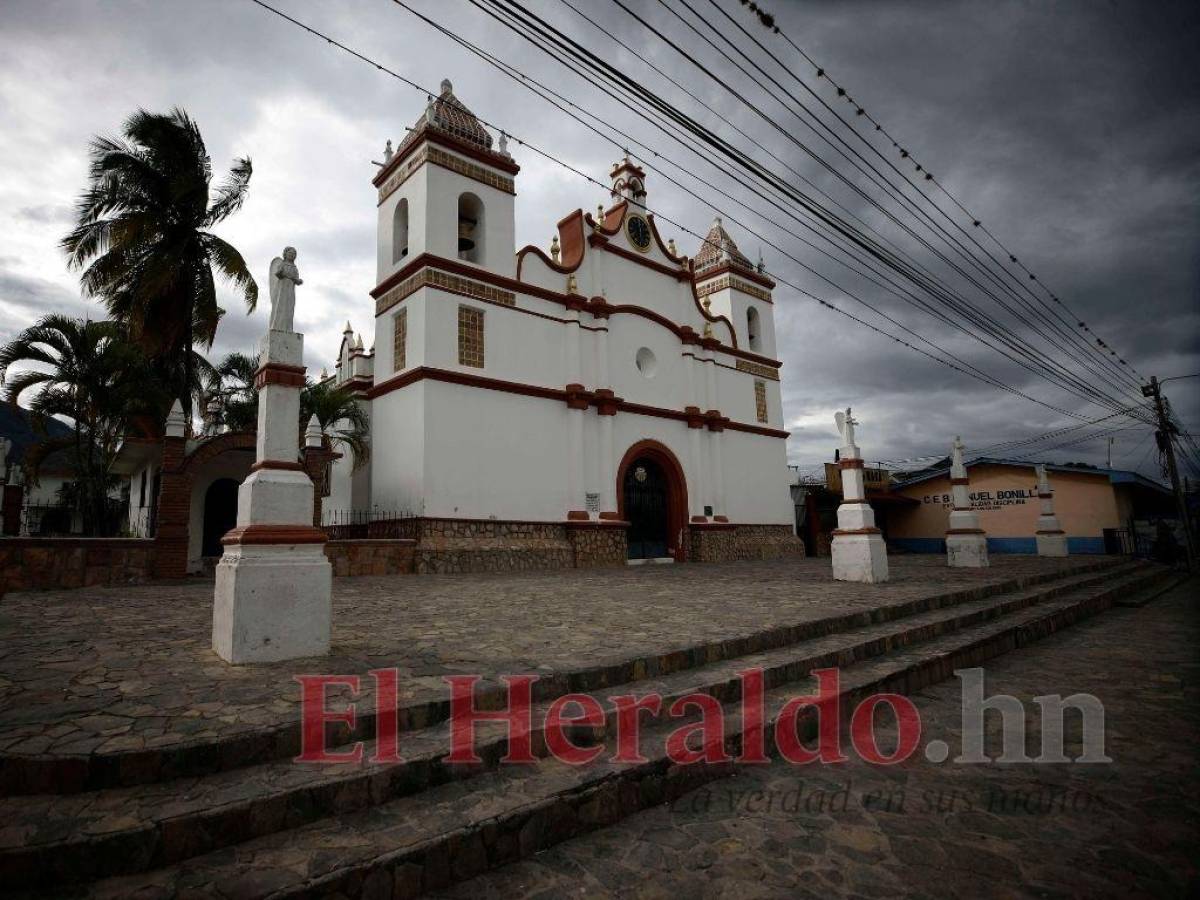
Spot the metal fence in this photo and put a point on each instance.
(60, 520)
(368, 524)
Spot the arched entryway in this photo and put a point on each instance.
(220, 514)
(652, 498)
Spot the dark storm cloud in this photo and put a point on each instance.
(1070, 129)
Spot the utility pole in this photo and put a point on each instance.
(1153, 390)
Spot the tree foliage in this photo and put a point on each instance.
(144, 243)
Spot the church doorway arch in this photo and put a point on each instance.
(652, 498)
(220, 514)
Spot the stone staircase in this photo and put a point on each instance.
(259, 825)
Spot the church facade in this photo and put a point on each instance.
(611, 398)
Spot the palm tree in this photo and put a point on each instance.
(143, 223)
(231, 382)
(87, 372)
(340, 416)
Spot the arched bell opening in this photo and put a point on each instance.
(470, 228)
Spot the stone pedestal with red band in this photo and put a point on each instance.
(966, 542)
(274, 583)
(858, 551)
(1051, 539)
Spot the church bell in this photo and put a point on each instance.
(466, 234)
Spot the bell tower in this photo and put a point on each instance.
(628, 182)
(447, 191)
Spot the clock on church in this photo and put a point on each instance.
(638, 230)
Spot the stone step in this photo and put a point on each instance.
(1141, 598)
(25, 774)
(53, 839)
(451, 832)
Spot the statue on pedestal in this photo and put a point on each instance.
(845, 426)
(283, 280)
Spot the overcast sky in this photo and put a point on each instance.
(1071, 129)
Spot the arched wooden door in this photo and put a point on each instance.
(647, 509)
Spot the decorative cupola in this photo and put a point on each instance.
(628, 182)
(729, 284)
(719, 250)
(447, 190)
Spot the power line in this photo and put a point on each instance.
(878, 178)
(532, 23)
(588, 178)
(551, 158)
(546, 93)
(770, 23)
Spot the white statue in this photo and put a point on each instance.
(283, 280)
(845, 425)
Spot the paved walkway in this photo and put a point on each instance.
(127, 669)
(1130, 828)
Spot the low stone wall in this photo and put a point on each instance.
(486, 545)
(371, 556)
(34, 564)
(599, 544)
(722, 542)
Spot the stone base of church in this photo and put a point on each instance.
(599, 544)
(726, 542)
(479, 545)
(474, 545)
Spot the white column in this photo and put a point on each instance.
(1051, 539)
(966, 542)
(857, 547)
(272, 599)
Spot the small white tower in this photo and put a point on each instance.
(966, 542)
(446, 192)
(628, 182)
(737, 289)
(1051, 539)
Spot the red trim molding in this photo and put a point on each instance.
(281, 464)
(597, 306)
(960, 480)
(726, 268)
(495, 160)
(965, 531)
(603, 399)
(275, 534)
(851, 464)
(278, 373)
(838, 531)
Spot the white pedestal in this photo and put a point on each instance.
(859, 557)
(272, 599)
(967, 551)
(1052, 544)
(272, 602)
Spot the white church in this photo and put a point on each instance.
(609, 380)
(610, 400)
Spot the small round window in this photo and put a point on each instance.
(646, 362)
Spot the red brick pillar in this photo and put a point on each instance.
(174, 504)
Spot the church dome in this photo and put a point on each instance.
(719, 249)
(447, 114)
